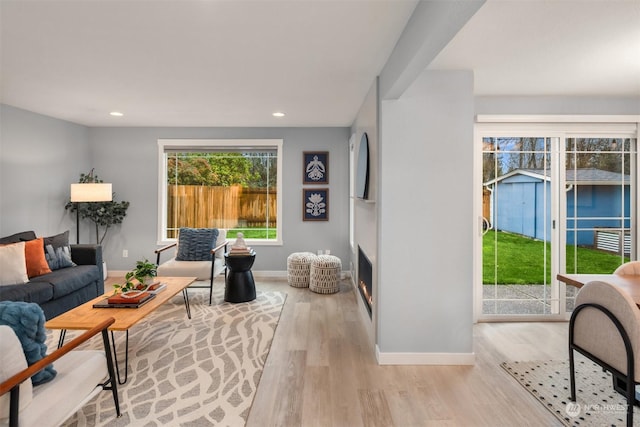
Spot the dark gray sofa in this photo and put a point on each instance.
(62, 289)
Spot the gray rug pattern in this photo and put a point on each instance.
(198, 372)
(597, 404)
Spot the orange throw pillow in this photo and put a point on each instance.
(36, 262)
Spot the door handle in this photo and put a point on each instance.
(485, 225)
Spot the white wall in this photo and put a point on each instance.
(431, 27)
(557, 105)
(366, 212)
(425, 202)
(39, 158)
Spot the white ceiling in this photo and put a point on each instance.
(196, 62)
(552, 47)
(233, 63)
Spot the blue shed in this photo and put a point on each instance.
(517, 203)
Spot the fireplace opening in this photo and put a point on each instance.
(365, 281)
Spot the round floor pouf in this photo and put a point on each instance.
(298, 269)
(324, 274)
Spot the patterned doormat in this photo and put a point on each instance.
(597, 403)
(198, 372)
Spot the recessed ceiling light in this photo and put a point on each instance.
(278, 114)
(116, 114)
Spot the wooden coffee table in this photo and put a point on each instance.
(86, 317)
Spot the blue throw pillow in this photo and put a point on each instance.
(57, 251)
(195, 244)
(27, 321)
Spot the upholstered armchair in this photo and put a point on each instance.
(80, 375)
(199, 253)
(631, 268)
(605, 327)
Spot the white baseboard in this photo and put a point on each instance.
(256, 273)
(425, 358)
(283, 274)
(117, 273)
(268, 273)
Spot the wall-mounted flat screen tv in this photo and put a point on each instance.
(362, 171)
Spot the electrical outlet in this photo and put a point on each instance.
(125, 253)
(327, 251)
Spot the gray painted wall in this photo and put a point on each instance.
(39, 158)
(127, 157)
(425, 302)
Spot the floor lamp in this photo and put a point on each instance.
(89, 192)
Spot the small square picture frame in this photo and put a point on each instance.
(315, 204)
(315, 170)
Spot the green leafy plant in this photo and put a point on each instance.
(143, 270)
(137, 276)
(102, 214)
(126, 287)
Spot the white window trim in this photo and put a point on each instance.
(234, 144)
(533, 125)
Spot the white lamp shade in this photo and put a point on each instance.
(91, 192)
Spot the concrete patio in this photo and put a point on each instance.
(521, 299)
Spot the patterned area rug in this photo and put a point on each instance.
(597, 403)
(197, 372)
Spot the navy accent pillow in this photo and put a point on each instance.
(27, 321)
(195, 244)
(24, 236)
(57, 251)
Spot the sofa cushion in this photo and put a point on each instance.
(38, 292)
(13, 264)
(13, 361)
(36, 262)
(68, 280)
(23, 236)
(195, 244)
(79, 374)
(27, 321)
(201, 270)
(58, 251)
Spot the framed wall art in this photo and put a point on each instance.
(315, 204)
(316, 167)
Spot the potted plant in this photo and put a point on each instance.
(144, 272)
(138, 278)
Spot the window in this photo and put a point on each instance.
(231, 184)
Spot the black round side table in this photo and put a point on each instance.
(240, 286)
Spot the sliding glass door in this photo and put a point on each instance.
(552, 201)
(517, 257)
(597, 204)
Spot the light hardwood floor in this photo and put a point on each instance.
(321, 371)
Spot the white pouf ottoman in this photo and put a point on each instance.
(324, 274)
(298, 269)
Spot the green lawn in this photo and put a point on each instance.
(520, 260)
(252, 233)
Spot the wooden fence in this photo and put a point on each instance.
(219, 207)
(486, 205)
